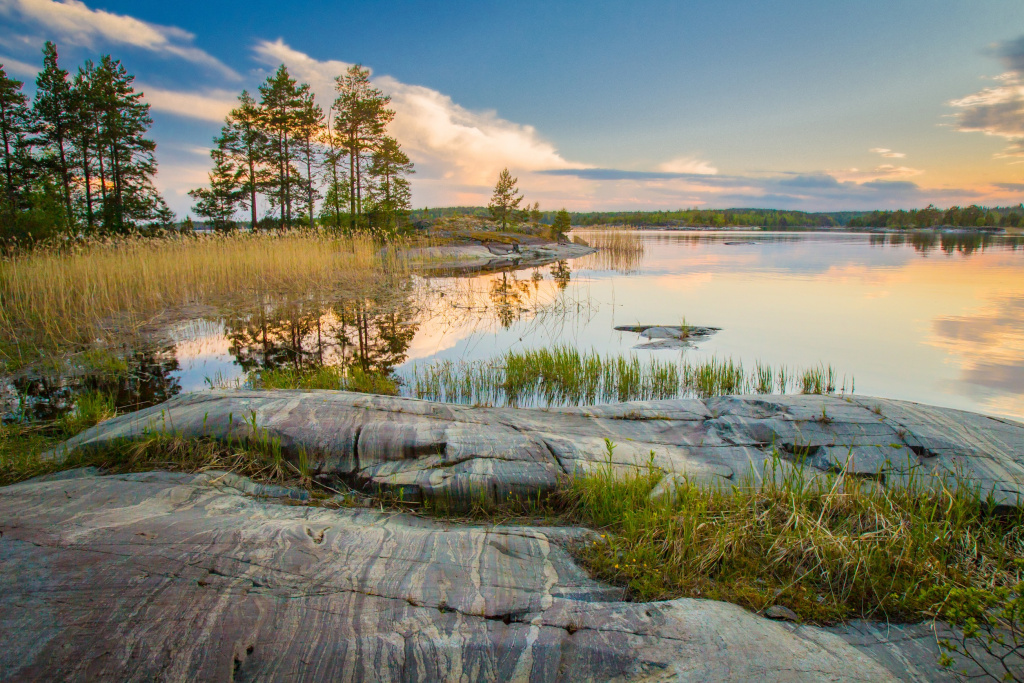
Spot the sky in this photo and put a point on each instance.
(599, 105)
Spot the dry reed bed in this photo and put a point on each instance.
(57, 299)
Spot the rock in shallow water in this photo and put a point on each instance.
(167, 576)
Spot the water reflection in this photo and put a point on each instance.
(932, 317)
(148, 378)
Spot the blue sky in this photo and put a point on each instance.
(602, 105)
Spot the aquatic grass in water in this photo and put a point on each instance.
(324, 377)
(565, 376)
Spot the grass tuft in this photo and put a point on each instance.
(562, 375)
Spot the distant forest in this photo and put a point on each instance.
(956, 216)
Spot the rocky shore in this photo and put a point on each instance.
(199, 577)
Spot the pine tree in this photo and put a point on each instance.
(505, 200)
(535, 214)
(310, 121)
(15, 128)
(361, 118)
(244, 142)
(54, 110)
(124, 118)
(281, 106)
(390, 193)
(561, 225)
(84, 133)
(218, 202)
(337, 195)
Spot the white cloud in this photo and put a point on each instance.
(887, 153)
(74, 21)
(458, 152)
(999, 110)
(688, 165)
(882, 172)
(211, 105)
(13, 67)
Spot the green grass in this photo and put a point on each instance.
(324, 377)
(832, 550)
(21, 443)
(562, 375)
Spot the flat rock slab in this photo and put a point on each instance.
(431, 450)
(669, 336)
(174, 577)
(479, 258)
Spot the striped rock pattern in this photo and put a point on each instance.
(432, 450)
(173, 577)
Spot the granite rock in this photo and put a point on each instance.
(432, 450)
(162, 576)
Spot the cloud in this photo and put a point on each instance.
(18, 68)
(999, 110)
(688, 165)
(882, 172)
(458, 152)
(211, 105)
(887, 153)
(74, 21)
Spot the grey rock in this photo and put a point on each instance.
(430, 450)
(669, 336)
(781, 612)
(170, 577)
(667, 487)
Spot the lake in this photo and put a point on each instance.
(930, 317)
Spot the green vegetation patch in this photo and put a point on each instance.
(325, 377)
(562, 375)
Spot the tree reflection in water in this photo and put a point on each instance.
(372, 332)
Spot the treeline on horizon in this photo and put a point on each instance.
(929, 217)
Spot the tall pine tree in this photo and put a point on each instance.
(54, 110)
(15, 128)
(281, 107)
(361, 119)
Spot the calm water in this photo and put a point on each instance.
(936, 319)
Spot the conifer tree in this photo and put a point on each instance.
(124, 116)
(244, 142)
(281, 106)
(337, 195)
(310, 121)
(562, 224)
(54, 109)
(505, 200)
(217, 203)
(15, 128)
(390, 193)
(361, 118)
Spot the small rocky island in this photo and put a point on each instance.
(206, 576)
(669, 336)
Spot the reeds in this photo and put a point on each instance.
(65, 297)
(618, 250)
(565, 376)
